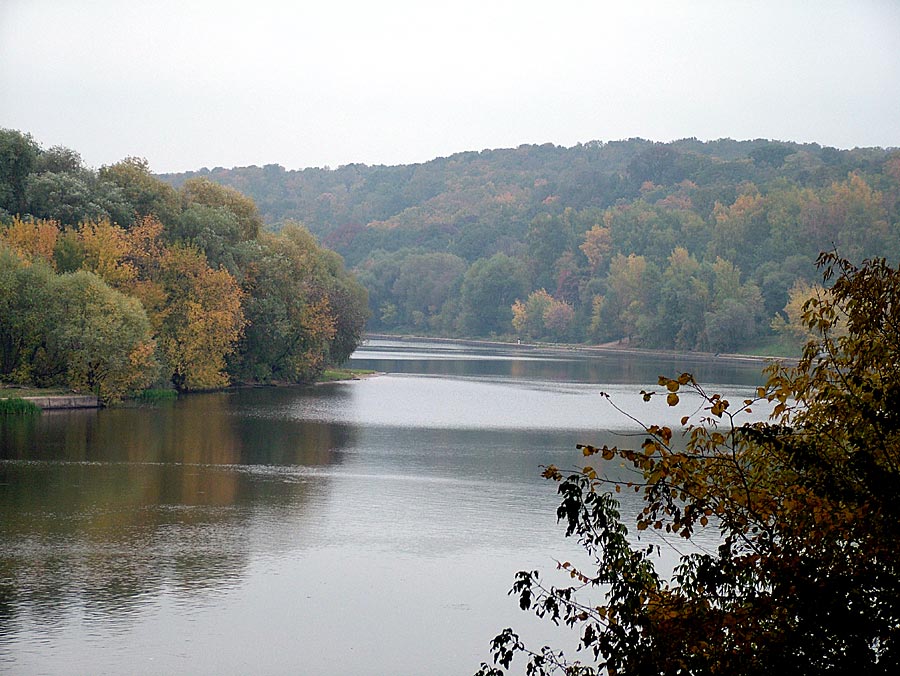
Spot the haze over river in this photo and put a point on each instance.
(365, 527)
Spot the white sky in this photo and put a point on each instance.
(188, 84)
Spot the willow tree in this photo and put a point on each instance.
(805, 506)
(101, 337)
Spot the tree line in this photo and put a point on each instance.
(688, 245)
(113, 281)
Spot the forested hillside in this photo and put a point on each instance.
(112, 281)
(686, 245)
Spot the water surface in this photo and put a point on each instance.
(367, 527)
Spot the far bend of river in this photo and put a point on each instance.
(370, 527)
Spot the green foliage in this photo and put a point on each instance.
(805, 507)
(548, 238)
(113, 279)
(489, 289)
(59, 160)
(304, 310)
(71, 198)
(25, 295)
(565, 214)
(18, 406)
(213, 230)
(349, 304)
(206, 193)
(18, 156)
(147, 195)
(772, 154)
(337, 375)
(102, 337)
(71, 329)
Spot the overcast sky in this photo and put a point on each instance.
(188, 84)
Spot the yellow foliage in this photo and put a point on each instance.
(106, 250)
(597, 245)
(203, 318)
(801, 295)
(31, 240)
(520, 316)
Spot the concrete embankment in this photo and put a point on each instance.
(65, 401)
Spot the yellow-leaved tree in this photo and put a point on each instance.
(202, 320)
(31, 240)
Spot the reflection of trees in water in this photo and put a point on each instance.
(565, 366)
(103, 510)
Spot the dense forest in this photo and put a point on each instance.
(688, 245)
(113, 281)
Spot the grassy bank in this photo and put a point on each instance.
(336, 375)
(19, 391)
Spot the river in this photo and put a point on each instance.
(364, 527)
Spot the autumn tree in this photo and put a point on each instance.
(542, 315)
(528, 316)
(805, 508)
(558, 318)
(856, 218)
(791, 322)
(597, 246)
(195, 259)
(105, 248)
(201, 321)
(31, 240)
(744, 221)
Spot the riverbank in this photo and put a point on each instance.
(57, 399)
(610, 349)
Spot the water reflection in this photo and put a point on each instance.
(104, 509)
(525, 362)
